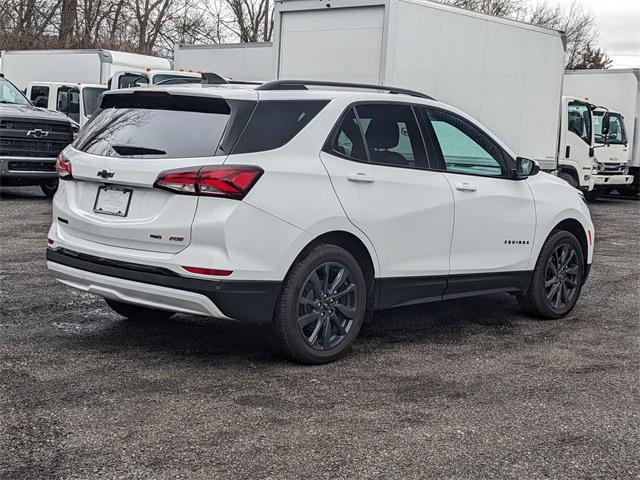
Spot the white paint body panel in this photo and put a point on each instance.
(238, 61)
(85, 66)
(506, 74)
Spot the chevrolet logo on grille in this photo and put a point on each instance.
(37, 133)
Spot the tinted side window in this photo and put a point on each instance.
(465, 149)
(348, 140)
(40, 96)
(68, 102)
(274, 123)
(392, 135)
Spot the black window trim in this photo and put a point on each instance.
(335, 130)
(507, 163)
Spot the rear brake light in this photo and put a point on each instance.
(63, 168)
(229, 181)
(208, 271)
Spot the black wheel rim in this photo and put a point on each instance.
(327, 306)
(562, 276)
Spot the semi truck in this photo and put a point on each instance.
(236, 61)
(618, 92)
(93, 66)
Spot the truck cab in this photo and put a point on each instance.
(611, 160)
(587, 160)
(128, 79)
(77, 101)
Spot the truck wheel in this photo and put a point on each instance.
(592, 195)
(557, 280)
(321, 307)
(570, 179)
(49, 189)
(135, 312)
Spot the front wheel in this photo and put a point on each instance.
(321, 307)
(570, 179)
(557, 279)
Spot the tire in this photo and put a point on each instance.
(49, 189)
(592, 195)
(570, 179)
(308, 327)
(135, 312)
(540, 300)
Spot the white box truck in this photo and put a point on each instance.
(237, 61)
(507, 74)
(619, 91)
(73, 66)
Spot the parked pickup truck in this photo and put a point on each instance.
(30, 140)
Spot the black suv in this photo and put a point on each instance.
(30, 140)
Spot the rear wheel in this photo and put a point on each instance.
(135, 312)
(49, 189)
(557, 279)
(321, 307)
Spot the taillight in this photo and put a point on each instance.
(63, 168)
(230, 181)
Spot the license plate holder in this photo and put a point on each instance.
(112, 200)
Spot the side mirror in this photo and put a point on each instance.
(606, 120)
(63, 102)
(525, 168)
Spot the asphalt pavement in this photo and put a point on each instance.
(470, 389)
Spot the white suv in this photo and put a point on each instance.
(306, 208)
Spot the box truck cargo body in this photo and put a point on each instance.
(238, 61)
(506, 74)
(618, 90)
(83, 66)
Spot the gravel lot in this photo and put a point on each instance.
(466, 389)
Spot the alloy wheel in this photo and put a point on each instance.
(562, 276)
(327, 306)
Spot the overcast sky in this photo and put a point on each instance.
(619, 25)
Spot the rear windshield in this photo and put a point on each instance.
(132, 126)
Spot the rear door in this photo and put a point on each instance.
(336, 44)
(388, 192)
(118, 156)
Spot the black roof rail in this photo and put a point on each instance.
(302, 84)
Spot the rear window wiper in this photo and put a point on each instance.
(131, 150)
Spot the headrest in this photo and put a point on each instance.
(382, 133)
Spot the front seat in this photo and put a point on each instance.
(383, 134)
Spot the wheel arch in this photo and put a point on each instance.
(356, 247)
(571, 170)
(573, 226)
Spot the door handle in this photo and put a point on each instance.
(360, 178)
(465, 187)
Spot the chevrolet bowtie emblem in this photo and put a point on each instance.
(37, 133)
(106, 174)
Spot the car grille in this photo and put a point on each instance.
(613, 168)
(29, 138)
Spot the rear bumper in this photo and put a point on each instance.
(602, 180)
(27, 170)
(137, 284)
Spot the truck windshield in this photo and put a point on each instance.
(580, 120)
(163, 77)
(10, 94)
(91, 99)
(617, 134)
